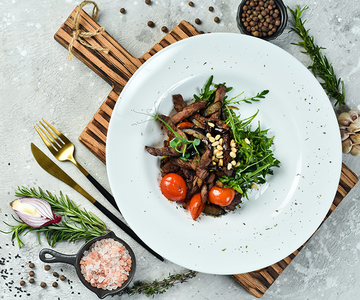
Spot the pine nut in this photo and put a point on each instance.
(215, 143)
(215, 151)
(229, 166)
(247, 141)
(214, 163)
(218, 137)
(233, 149)
(233, 162)
(211, 139)
(237, 164)
(221, 162)
(219, 154)
(211, 124)
(221, 141)
(232, 154)
(208, 135)
(220, 147)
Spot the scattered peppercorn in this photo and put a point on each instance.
(31, 280)
(191, 3)
(47, 267)
(62, 278)
(260, 18)
(201, 32)
(54, 284)
(211, 8)
(216, 20)
(31, 265)
(164, 29)
(31, 273)
(147, 2)
(122, 10)
(43, 284)
(56, 274)
(22, 282)
(151, 24)
(197, 21)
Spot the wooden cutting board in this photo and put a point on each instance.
(116, 68)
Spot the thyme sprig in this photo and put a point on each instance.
(158, 287)
(320, 67)
(76, 224)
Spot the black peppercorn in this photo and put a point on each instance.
(147, 2)
(22, 282)
(47, 267)
(191, 3)
(62, 278)
(122, 10)
(31, 265)
(55, 274)
(197, 21)
(31, 280)
(211, 8)
(43, 284)
(164, 29)
(31, 273)
(151, 24)
(216, 20)
(54, 284)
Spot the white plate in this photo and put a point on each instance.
(278, 218)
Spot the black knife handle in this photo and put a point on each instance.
(126, 228)
(102, 190)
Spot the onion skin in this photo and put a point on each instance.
(34, 212)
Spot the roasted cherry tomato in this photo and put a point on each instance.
(184, 125)
(196, 206)
(221, 196)
(173, 187)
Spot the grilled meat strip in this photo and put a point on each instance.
(188, 111)
(179, 103)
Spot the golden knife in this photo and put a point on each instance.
(49, 166)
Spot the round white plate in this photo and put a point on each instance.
(280, 216)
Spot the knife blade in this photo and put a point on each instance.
(49, 166)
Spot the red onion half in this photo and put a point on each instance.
(34, 212)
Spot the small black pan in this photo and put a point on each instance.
(75, 261)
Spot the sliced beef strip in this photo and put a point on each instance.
(170, 134)
(210, 180)
(202, 169)
(219, 97)
(199, 121)
(169, 167)
(191, 164)
(188, 111)
(164, 151)
(179, 103)
(204, 193)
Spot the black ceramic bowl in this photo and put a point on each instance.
(283, 20)
(75, 261)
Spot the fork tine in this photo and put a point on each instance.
(63, 137)
(55, 141)
(52, 147)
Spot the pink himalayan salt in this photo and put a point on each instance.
(106, 264)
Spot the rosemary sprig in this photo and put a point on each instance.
(158, 287)
(76, 224)
(320, 67)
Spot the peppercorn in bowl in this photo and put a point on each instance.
(265, 19)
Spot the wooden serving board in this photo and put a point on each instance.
(116, 68)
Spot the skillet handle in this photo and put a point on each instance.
(56, 257)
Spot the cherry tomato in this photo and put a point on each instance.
(173, 187)
(196, 206)
(221, 196)
(184, 125)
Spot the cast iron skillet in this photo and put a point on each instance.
(75, 261)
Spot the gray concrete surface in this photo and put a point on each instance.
(37, 81)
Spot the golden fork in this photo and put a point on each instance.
(63, 150)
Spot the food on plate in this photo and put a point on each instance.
(211, 157)
(106, 264)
